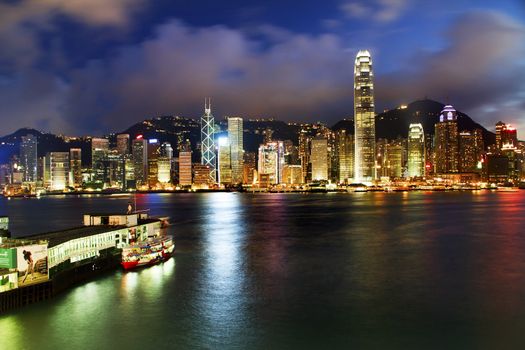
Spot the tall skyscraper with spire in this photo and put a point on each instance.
(364, 118)
(207, 140)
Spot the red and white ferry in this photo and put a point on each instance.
(148, 252)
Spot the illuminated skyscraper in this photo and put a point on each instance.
(28, 157)
(114, 171)
(129, 172)
(75, 161)
(153, 162)
(185, 178)
(416, 150)
(446, 142)
(345, 155)
(235, 136)
(292, 174)
(470, 151)
(164, 163)
(364, 118)
(249, 167)
(225, 166)
(99, 152)
(271, 161)
(304, 154)
(395, 160)
(467, 152)
(319, 158)
(207, 141)
(139, 149)
(201, 178)
(499, 127)
(506, 136)
(58, 165)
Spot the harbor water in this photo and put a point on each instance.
(421, 270)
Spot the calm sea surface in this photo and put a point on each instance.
(271, 271)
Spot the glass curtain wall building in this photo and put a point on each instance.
(364, 118)
(416, 150)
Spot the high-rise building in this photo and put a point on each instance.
(416, 150)
(153, 162)
(429, 155)
(446, 142)
(292, 174)
(364, 118)
(123, 144)
(271, 161)
(75, 164)
(139, 149)
(468, 153)
(478, 136)
(333, 158)
(99, 152)
(201, 176)
(381, 157)
(395, 160)
(185, 178)
(28, 158)
(304, 155)
(207, 140)
(58, 165)
(319, 158)
(164, 163)
(235, 136)
(345, 155)
(515, 160)
(225, 167)
(114, 171)
(499, 127)
(249, 167)
(129, 176)
(5, 174)
(291, 153)
(17, 173)
(509, 137)
(40, 161)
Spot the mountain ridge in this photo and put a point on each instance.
(390, 124)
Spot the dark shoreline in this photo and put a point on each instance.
(124, 193)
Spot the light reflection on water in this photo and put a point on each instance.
(223, 277)
(372, 270)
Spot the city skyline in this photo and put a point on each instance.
(154, 60)
(262, 174)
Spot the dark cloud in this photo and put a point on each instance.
(266, 71)
(377, 10)
(481, 71)
(298, 76)
(33, 98)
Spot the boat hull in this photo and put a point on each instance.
(130, 265)
(147, 253)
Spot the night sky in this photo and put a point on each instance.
(97, 66)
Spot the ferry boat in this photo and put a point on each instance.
(146, 253)
(507, 189)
